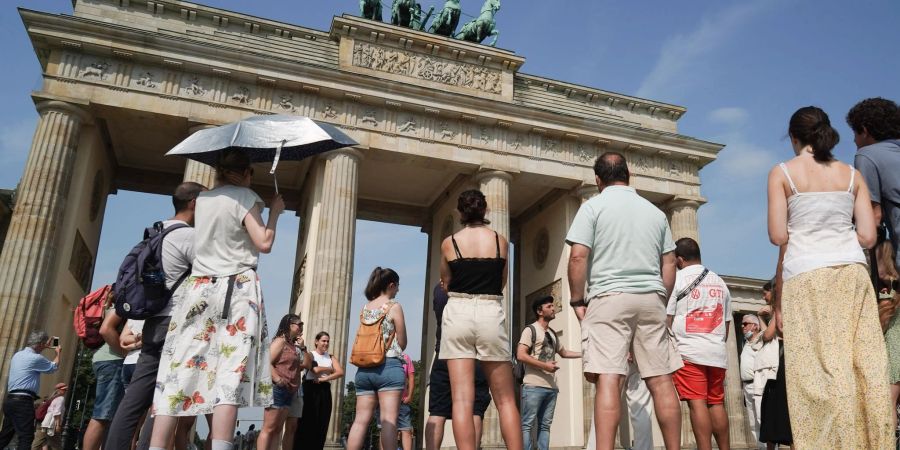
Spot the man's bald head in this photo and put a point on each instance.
(611, 168)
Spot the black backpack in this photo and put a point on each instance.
(140, 290)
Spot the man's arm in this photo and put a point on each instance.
(577, 274)
(569, 354)
(410, 386)
(110, 332)
(667, 270)
(669, 319)
(523, 354)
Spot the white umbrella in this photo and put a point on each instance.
(269, 138)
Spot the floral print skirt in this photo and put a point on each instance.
(209, 360)
(835, 361)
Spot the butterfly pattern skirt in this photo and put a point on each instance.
(207, 360)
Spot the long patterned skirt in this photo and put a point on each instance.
(836, 363)
(209, 359)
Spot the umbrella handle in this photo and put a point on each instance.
(275, 163)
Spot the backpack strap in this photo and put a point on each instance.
(533, 338)
(684, 292)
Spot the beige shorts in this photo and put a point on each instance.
(616, 323)
(474, 327)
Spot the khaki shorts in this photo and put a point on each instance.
(474, 327)
(616, 323)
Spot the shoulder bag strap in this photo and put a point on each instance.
(693, 285)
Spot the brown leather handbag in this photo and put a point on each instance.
(369, 348)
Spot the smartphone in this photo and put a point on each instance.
(55, 342)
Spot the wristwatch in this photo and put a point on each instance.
(577, 303)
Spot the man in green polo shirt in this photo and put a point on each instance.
(622, 249)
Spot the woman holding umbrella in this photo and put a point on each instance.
(215, 358)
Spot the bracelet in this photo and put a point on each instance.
(577, 303)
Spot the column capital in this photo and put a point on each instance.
(492, 173)
(586, 191)
(684, 202)
(65, 107)
(346, 151)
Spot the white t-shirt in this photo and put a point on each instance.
(136, 327)
(177, 256)
(223, 246)
(55, 410)
(701, 317)
(321, 361)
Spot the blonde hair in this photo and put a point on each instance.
(884, 254)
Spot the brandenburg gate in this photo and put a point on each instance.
(123, 81)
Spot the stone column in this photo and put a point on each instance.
(332, 275)
(29, 259)
(683, 218)
(197, 171)
(738, 423)
(494, 184)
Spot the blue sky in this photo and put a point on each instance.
(740, 67)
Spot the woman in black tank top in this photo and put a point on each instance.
(474, 273)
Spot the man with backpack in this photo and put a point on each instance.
(22, 386)
(177, 255)
(537, 350)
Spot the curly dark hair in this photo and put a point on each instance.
(878, 116)
(472, 206)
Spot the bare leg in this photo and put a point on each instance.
(462, 393)
(701, 424)
(479, 422)
(223, 421)
(183, 433)
(406, 438)
(607, 409)
(500, 377)
(389, 410)
(719, 418)
(434, 432)
(365, 407)
(273, 420)
(95, 434)
(163, 431)
(290, 427)
(668, 410)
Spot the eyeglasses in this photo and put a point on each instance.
(747, 323)
(299, 324)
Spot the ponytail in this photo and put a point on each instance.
(379, 281)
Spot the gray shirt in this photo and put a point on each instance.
(879, 164)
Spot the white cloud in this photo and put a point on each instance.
(681, 54)
(743, 159)
(731, 116)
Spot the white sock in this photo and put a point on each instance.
(156, 448)
(221, 445)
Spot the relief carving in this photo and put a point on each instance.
(241, 96)
(95, 70)
(446, 132)
(287, 102)
(369, 118)
(330, 112)
(517, 143)
(409, 126)
(399, 62)
(583, 154)
(146, 80)
(485, 136)
(195, 88)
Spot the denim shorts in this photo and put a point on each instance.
(386, 377)
(282, 397)
(127, 373)
(109, 389)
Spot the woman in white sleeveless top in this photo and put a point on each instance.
(312, 428)
(835, 358)
(216, 355)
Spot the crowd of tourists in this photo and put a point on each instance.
(820, 364)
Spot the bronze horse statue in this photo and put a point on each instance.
(447, 19)
(370, 9)
(482, 26)
(402, 12)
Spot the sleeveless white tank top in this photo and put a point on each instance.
(820, 230)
